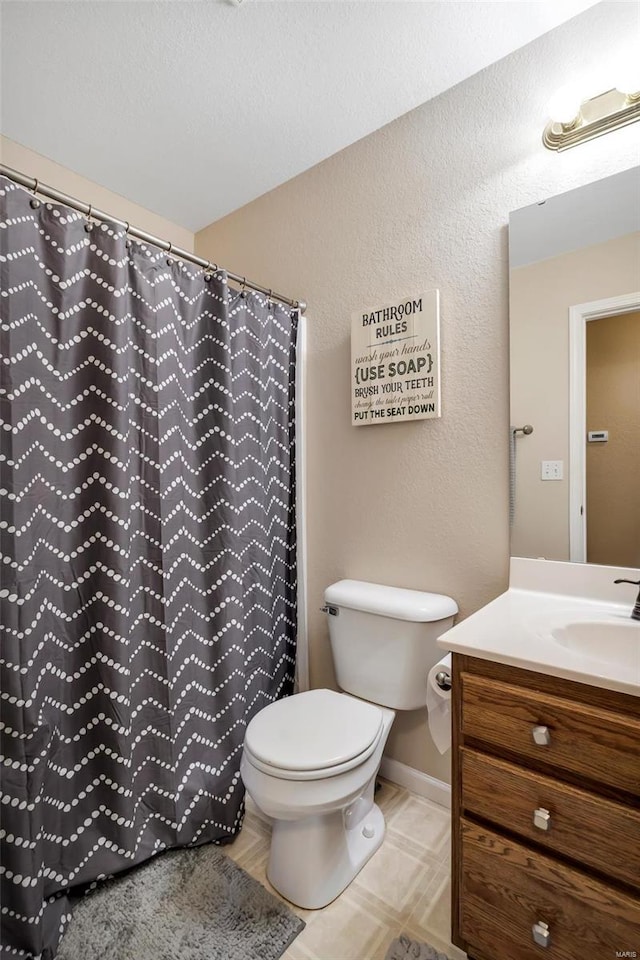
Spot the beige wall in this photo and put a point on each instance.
(613, 468)
(421, 203)
(540, 295)
(35, 165)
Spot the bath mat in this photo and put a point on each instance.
(406, 949)
(183, 905)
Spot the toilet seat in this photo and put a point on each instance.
(313, 735)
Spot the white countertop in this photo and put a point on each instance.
(516, 628)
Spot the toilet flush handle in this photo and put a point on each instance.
(332, 611)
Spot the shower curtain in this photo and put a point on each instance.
(148, 553)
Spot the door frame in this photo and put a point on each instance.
(579, 316)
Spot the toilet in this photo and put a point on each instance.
(310, 761)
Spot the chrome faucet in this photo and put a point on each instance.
(635, 613)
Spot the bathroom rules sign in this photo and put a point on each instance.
(395, 361)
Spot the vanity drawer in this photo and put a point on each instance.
(598, 833)
(507, 891)
(602, 745)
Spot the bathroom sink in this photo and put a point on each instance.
(610, 641)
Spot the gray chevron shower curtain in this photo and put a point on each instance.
(148, 554)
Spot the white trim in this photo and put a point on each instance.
(579, 316)
(416, 781)
(577, 427)
(302, 656)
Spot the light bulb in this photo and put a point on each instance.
(627, 79)
(564, 105)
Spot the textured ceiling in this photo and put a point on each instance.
(193, 108)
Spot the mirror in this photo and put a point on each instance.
(574, 321)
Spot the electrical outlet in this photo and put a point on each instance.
(552, 470)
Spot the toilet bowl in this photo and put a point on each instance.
(310, 761)
(317, 782)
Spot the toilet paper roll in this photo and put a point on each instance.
(439, 706)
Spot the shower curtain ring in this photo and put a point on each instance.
(169, 260)
(35, 203)
(88, 225)
(243, 288)
(207, 271)
(270, 300)
(127, 241)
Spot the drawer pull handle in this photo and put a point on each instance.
(541, 736)
(542, 818)
(541, 933)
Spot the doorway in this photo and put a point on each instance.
(613, 440)
(604, 493)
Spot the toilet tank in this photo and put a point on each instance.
(383, 640)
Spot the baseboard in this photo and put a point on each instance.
(416, 781)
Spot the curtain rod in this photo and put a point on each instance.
(94, 213)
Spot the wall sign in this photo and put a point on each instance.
(395, 361)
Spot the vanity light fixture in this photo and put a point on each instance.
(593, 117)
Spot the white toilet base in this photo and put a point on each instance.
(314, 859)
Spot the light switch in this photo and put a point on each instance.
(552, 470)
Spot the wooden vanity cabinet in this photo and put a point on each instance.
(545, 816)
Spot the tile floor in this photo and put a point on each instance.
(404, 888)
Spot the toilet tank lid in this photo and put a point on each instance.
(395, 602)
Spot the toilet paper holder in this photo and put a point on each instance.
(443, 679)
